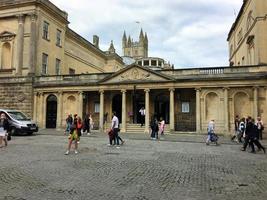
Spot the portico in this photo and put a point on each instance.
(185, 105)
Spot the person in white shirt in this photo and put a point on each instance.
(115, 129)
(142, 112)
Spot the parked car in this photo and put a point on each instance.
(20, 124)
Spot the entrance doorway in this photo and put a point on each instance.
(51, 111)
(162, 107)
(116, 105)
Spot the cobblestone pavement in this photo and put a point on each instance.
(35, 168)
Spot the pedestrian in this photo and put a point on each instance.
(73, 137)
(115, 129)
(260, 127)
(154, 128)
(211, 131)
(241, 130)
(251, 137)
(86, 124)
(161, 126)
(69, 121)
(91, 122)
(236, 122)
(4, 129)
(142, 112)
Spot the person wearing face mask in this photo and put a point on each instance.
(4, 128)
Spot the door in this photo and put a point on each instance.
(51, 112)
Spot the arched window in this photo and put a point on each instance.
(6, 56)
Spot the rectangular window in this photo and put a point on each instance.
(97, 107)
(71, 71)
(44, 63)
(185, 107)
(58, 66)
(46, 30)
(58, 43)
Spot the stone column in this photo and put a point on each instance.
(42, 110)
(59, 110)
(147, 111)
(123, 114)
(255, 102)
(101, 113)
(198, 111)
(20, 44)
(35, 106)
(226, 110)
(80, 104)
(172, 128)
(33, 44)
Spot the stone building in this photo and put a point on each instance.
(48, 71)
(247, 37)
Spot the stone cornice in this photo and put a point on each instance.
(45, 4)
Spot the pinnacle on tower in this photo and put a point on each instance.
(124, 39)
(111, 48)
(141, 36)
(146, 40)
(129, 41)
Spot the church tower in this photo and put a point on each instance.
(137, 49)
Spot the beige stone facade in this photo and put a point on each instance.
(247, 37)
(36, 37)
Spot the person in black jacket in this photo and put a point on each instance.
(86, 124)
(251, 136)
(4, 129)
(154, 128)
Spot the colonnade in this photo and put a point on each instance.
(40, 105)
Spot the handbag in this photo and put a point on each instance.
(8, 137)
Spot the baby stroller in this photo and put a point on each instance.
(213, 138)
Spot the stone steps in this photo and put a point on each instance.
(136, 128)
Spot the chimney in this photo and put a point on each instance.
(96, 41)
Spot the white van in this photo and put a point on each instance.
(19, 123)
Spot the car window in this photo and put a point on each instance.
(18, 116)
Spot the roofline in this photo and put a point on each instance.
(237, 19)
(45, 3)
(85, 42)
(221, 67)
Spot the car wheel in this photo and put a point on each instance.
(30, 133)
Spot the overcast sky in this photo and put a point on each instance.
(188, 33)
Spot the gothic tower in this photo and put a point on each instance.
(137, 49)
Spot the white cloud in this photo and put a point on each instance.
(185, 32)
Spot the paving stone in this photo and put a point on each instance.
(35, 167)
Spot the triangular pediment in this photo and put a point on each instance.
(135, 73)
